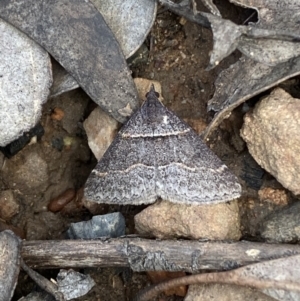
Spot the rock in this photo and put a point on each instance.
(25, 79)
(271, 132)
(8, 205)
(73, 105)
(167, 220)
(28, 172)
(10, 246)
(100, 129)
(129, 20)
(143, 86)
(275, 196)
(73, 284)
(221, 292)
(283, 226)
(108, 225)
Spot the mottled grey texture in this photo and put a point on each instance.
(10, 245)
(76, 35)
(25, 79)
(282, 226)
(108, 225)
(74, 284)
(157, 155)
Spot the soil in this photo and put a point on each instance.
(178, 54)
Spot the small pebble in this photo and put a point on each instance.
(108, 225)
(57, 114)
(276, 196)
(8, 205)
(282, 226)
(62, 200)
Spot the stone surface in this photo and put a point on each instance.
(108, 225)
(8, 205)
(100, 129)
(276, 196)
(143, 86)
(10, 246)
(283, 226)
(272, 135)
(25, 79)
(73, 284)
(30, 171)
(221, 292)
(167, 220)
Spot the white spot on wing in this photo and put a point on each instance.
(165, 120)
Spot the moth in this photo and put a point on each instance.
(156, 154)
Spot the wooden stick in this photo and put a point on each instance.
(145, 254)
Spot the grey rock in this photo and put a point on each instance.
(272, 135)
(27, 171)
(283, 226)
(167, 220)
(10, 246)
(130, 21)
(73, 284)
(100, 129)
(8, 205)
(25, 80)
(108, 225)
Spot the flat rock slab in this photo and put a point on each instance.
(271, 132)
(167, 220)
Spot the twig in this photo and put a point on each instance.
(145, 254)
(43, 283)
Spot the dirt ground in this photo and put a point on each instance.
(178, 56)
